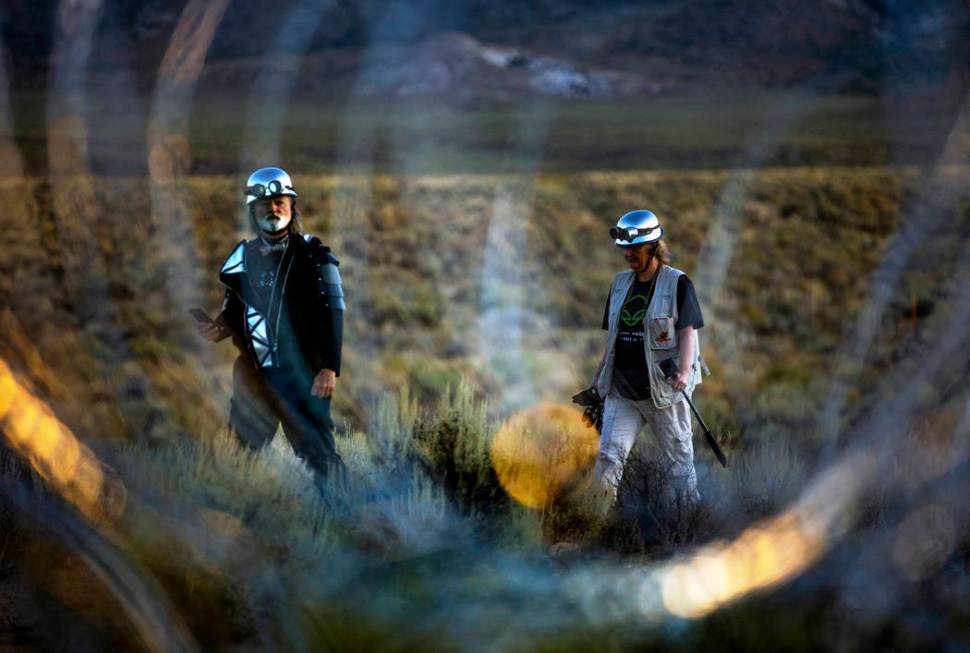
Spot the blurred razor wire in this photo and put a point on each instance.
(169, 159)
(269, 97)
(143, 602)
(353, 203)
(936, 203)
(78, 214)
(416, 146)
(76, 210)
(169, 151)
(116, 112)
(503, 315)
(924, 474)
(72, 184)
(717, 251)
(369, 153)
(489, 616)
(508, 320)
(79, 503)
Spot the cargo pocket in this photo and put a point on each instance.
(662, 334)
(668, 367)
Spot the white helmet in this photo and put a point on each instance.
(635, 228)
(268, 182)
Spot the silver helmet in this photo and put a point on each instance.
(635, 228)
(268, 182)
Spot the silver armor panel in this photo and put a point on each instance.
(236, 263)
(256, 331)
(331, 291)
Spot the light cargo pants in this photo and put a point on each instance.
(623, 419)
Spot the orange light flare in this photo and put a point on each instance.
(544, 453)
(29, 427)
(768, 553)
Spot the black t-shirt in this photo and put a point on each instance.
(630, 372)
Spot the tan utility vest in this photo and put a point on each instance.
(660, 338)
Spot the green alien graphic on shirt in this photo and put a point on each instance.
(634, 310)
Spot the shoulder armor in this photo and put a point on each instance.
(236, 261)
(329, 273)
(328, 282)
(319, 252)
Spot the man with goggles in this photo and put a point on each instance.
(652, 316)
(284, 309)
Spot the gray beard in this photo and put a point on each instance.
(275, 234)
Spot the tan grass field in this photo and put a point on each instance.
(94, 294)
(470, 298)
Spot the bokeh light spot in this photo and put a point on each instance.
(761, 557)
(544, 453)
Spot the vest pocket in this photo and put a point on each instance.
(668, 367)
(662, 335)
(661, 390)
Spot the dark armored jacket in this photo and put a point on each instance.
(299, 327)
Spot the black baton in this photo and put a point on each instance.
(669, 368)
(721, 458)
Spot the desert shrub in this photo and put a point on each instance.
(390, 436)
(765, 477)
(454, 439)
(581, 521)
(218, 476)
(429, 378)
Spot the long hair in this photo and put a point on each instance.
(296, 226)
(662, 252)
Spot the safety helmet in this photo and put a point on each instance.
(268, 182)
(635, 228)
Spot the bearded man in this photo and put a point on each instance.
(284, 309)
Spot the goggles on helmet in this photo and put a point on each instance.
(274, 187)
(629, 233)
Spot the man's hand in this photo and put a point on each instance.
(212, 331)
(676, 376)
(324, 383)
(679, 382)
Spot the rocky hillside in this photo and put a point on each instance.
(497, 50)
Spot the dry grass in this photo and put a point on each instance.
(102, 326)
(419, 540)
(416, 546)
